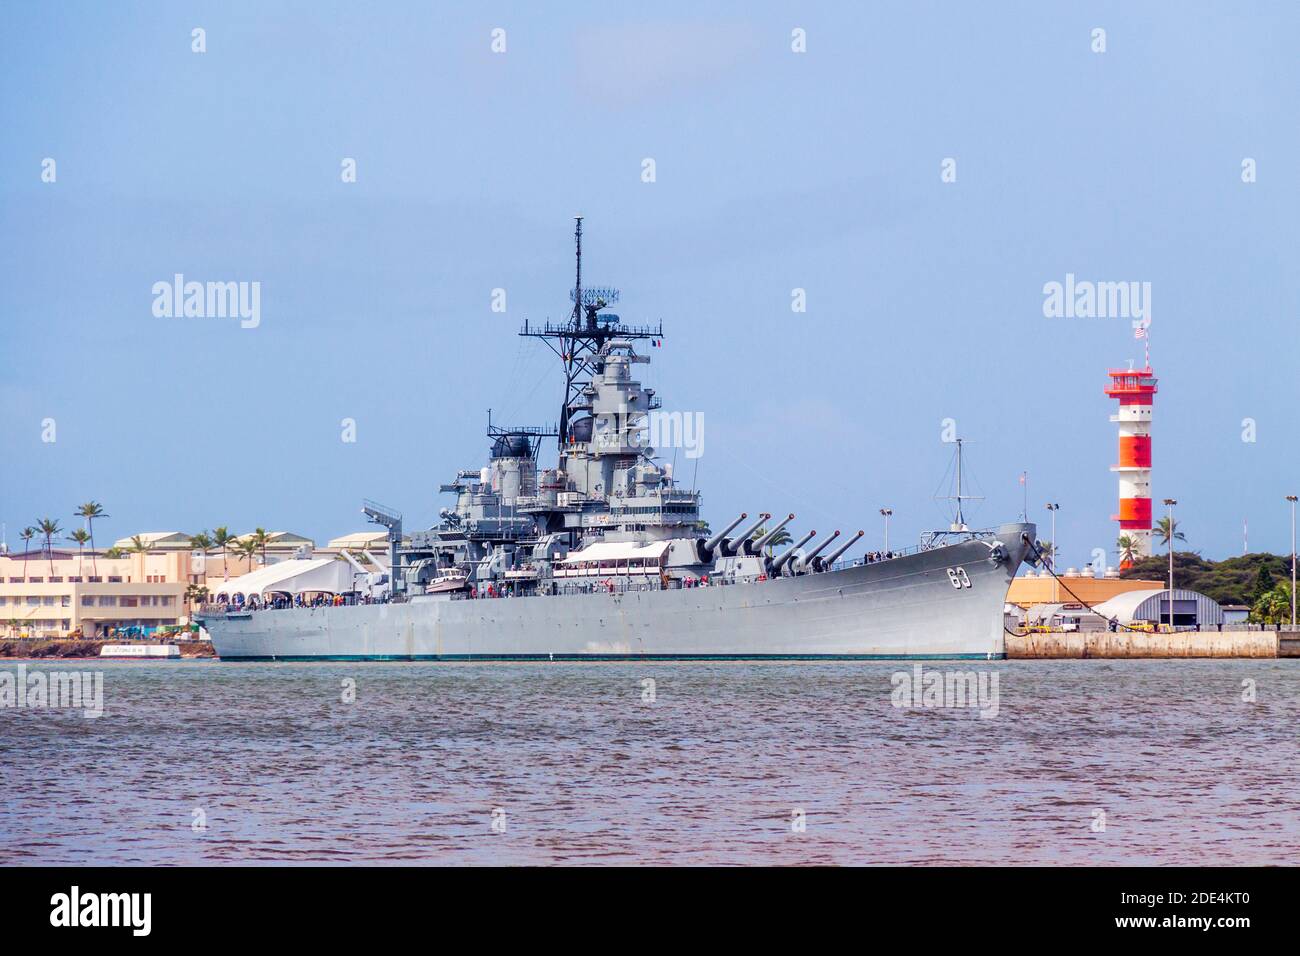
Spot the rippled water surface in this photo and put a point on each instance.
(585, 771)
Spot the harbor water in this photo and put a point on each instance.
(1079, 762)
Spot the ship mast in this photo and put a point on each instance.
(959, 522)
(578, 342)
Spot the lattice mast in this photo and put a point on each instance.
(578, 342)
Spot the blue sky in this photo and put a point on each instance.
(775, 171)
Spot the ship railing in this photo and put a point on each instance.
(937, 539)
(878, 557)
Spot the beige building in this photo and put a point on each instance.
(1030, 589)
(54, 595)
(156, 541)
(281, 544)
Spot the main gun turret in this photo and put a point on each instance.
(705, 549)
(758, 545)
(736, 545)
(780, 562)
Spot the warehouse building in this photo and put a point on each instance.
(1190, 608)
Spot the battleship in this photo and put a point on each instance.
(605, 556)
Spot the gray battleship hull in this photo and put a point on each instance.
(907, 607)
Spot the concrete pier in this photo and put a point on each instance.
(1130, 644)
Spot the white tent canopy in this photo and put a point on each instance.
(617, 551)
(299, 576)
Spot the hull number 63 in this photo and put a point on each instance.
(959, 578)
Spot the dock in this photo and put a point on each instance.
(1131, 644)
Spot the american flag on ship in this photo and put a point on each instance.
(1140, 330)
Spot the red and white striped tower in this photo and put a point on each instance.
(1135, 389)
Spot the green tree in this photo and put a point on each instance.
(1167, 529)
(89, 512)
(138, 545)
(1230, 581)
(778, 539)
(113, 553)
(1263, 584)
(1048, 550)
(1273, 607)
(260, 538)
(80, 537)
(49, 527)
(195, 594)
(247, 549)
(224, 540)
(1126, 546)
(26, 534)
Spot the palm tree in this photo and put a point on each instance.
(1273, 607)
(201, 542)
(1048, 551)
(138, 545)
(80, 536)
(260, 537)
(1126, 546)
(112, 553)
(246, 548)
(27, 534)
(778, 539)
(195, 594)
(1167, 528)
(89, 512)
(223, 539)
(49, 528)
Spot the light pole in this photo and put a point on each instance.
(1170, 502)
(886, 512)
(1292, 499)
(1056, 585)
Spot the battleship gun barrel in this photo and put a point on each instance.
(762, 542)
(780, 562)
(738, 542)
(807, 558)
(835, 555)
(717, 538)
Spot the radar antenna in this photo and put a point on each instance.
(578, 342)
